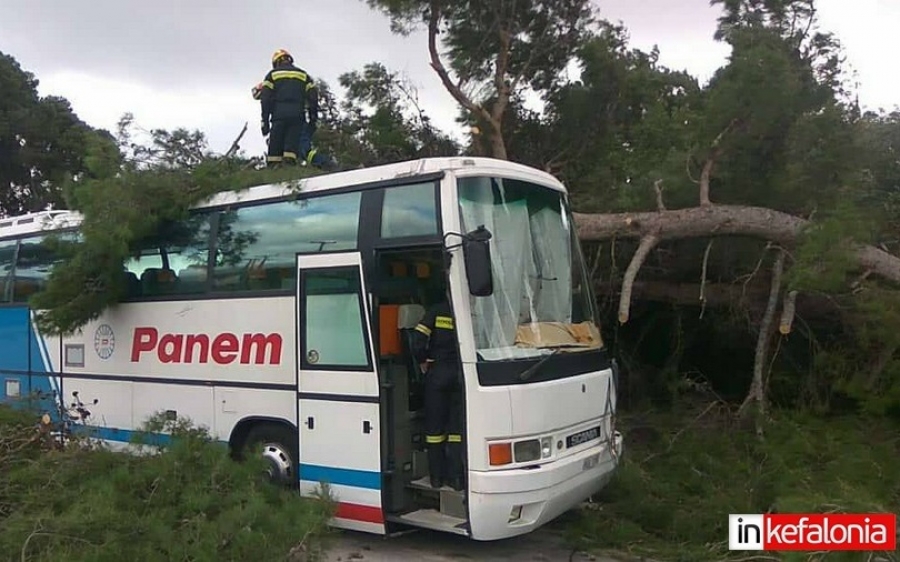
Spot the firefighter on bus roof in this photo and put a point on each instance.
(306, 152)
(435, 349)
(290, 109)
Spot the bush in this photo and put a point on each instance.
(186, 501)
(675, 489)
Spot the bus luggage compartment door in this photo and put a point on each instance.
(338, 409)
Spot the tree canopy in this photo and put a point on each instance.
(772, 158)
(42, 142)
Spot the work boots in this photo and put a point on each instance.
(436, 464)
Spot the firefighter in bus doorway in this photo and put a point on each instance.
(435, 350)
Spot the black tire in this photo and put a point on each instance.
(278, 444)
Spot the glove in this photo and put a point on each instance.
(264, 125)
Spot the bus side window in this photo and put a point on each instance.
(33, 265)
(149, 259)
(7, 255)
(409, 210)
(175, 263)
(256, 246)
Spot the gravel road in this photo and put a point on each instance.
(428, 546)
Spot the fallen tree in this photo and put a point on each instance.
(781, 230)
(721, 220)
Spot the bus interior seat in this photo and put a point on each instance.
(192, 279)
(24, 287)
(158, 281)
(132, 284)
(409, 315)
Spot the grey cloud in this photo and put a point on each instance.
(195, 45)
(209, 47)
(222, 47)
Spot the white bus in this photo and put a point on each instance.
(279, 317)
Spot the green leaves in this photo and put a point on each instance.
(189, 501)
(42, 143)
(120, 213)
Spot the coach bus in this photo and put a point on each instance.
(278, 317)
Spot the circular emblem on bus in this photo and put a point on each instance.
(104, 341)
(312, 356)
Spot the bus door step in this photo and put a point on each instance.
(432, 519)
(451, 502)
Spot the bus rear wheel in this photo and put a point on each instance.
(278, 447)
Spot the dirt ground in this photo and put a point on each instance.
(428, 546)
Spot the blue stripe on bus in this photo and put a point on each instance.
(342, 476)
(122, 435)
(20, 352)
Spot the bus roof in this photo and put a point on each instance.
(32, 223)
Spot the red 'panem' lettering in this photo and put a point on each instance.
(224, 349)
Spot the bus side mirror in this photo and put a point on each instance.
(477, 256)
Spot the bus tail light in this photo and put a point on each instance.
(500, 453)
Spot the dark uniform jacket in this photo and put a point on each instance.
(435, 337)
(287, 92)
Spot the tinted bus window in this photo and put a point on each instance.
(256, 246)
(7, 256)
(409, 210)
(33, 266)
(175, 263)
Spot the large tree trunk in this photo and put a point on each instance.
(709, 220)
(720, 220)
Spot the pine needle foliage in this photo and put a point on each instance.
(121, 211)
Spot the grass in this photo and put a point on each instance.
(683, 473)
(189, 501)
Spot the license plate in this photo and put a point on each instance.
(583, 437)
(591, 462)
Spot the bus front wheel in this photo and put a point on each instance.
(278, 447)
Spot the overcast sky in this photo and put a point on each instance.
(192, 63)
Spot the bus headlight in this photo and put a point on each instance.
(526, 451)
(546, 447)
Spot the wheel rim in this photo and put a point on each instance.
(279, 461)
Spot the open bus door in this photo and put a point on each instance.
(338, 401)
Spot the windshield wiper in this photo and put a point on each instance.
(530, 371)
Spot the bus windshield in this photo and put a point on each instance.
(542, 301)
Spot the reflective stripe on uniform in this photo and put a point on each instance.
(273, 158)
(295, 74)
(267, 84)
(422, 328)
(310, 85)
(444, 322)
(434, 439)
(454, 438)
(310, 156)
(292, 155)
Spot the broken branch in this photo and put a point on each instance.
(714, 155)
(657, 186)
(787, 313)
(703, 277)
(647, 243)
(757, 391)
(236, 145)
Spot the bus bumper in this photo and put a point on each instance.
(508, 503)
